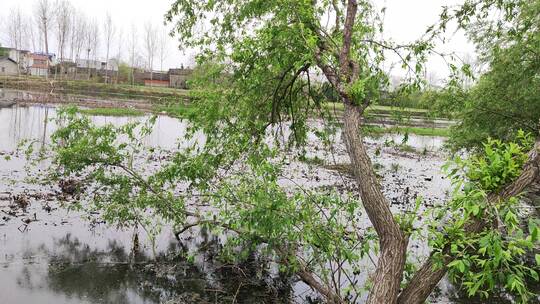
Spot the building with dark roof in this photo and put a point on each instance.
(8, 66)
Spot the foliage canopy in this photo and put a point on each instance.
(506, 97)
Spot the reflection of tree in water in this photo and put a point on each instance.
(107, 276)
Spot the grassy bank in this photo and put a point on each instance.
(112, 112)
(175, 102)
(175, 110)
(378, 109)
(93, 89)
(422, 131)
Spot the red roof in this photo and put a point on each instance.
(39, 56)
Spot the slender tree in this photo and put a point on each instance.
(150, 45)
(120, 43)
(16, 32)
(133, 45)
(44, 16)
(108, 32)
(94, 38)
(64, 20)
(163, 48)
(31, 34)
(91, 43)
(78, 35)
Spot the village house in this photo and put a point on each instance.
(8, 66)
(90, 68)
(178, 77)
(156, 79)
(174, 78)
(66, 69)
(97, 64)
(40, 63)
(21, 57)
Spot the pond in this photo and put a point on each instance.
(51, 254)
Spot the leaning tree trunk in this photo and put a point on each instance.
(532, 195)
(392, 240)
(428, 276)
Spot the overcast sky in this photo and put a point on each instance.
(405, 21)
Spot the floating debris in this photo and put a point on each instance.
(21, 201)
(70, 186)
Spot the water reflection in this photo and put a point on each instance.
(73, 271)
(34, 123)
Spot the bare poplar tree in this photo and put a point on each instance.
(64, 15)
(15, 32)
(93, 28)
(91, 42)
(132, 50)
(163, 48)
(108, 31)
(31, 34)
(120, 42)
(13, 26)
(150, 45)
(44, 18)
(78, 35)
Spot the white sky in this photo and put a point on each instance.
(405, 21)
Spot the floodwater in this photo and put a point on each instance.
(51, 254)
(33, 123)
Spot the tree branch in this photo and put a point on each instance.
(344, 56)
(428, 276)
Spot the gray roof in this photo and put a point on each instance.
(2, 58)
(180, 71)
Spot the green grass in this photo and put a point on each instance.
(176, 110)
(95, 89)
(312, 160)
(399, 109)
(378, 109)
(340, 106)
(112, 112)
(411, 130)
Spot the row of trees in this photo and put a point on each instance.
(61, 28)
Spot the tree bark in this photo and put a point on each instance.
(392, 240)
(428, 276)
(344, 56)
(330, 296)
